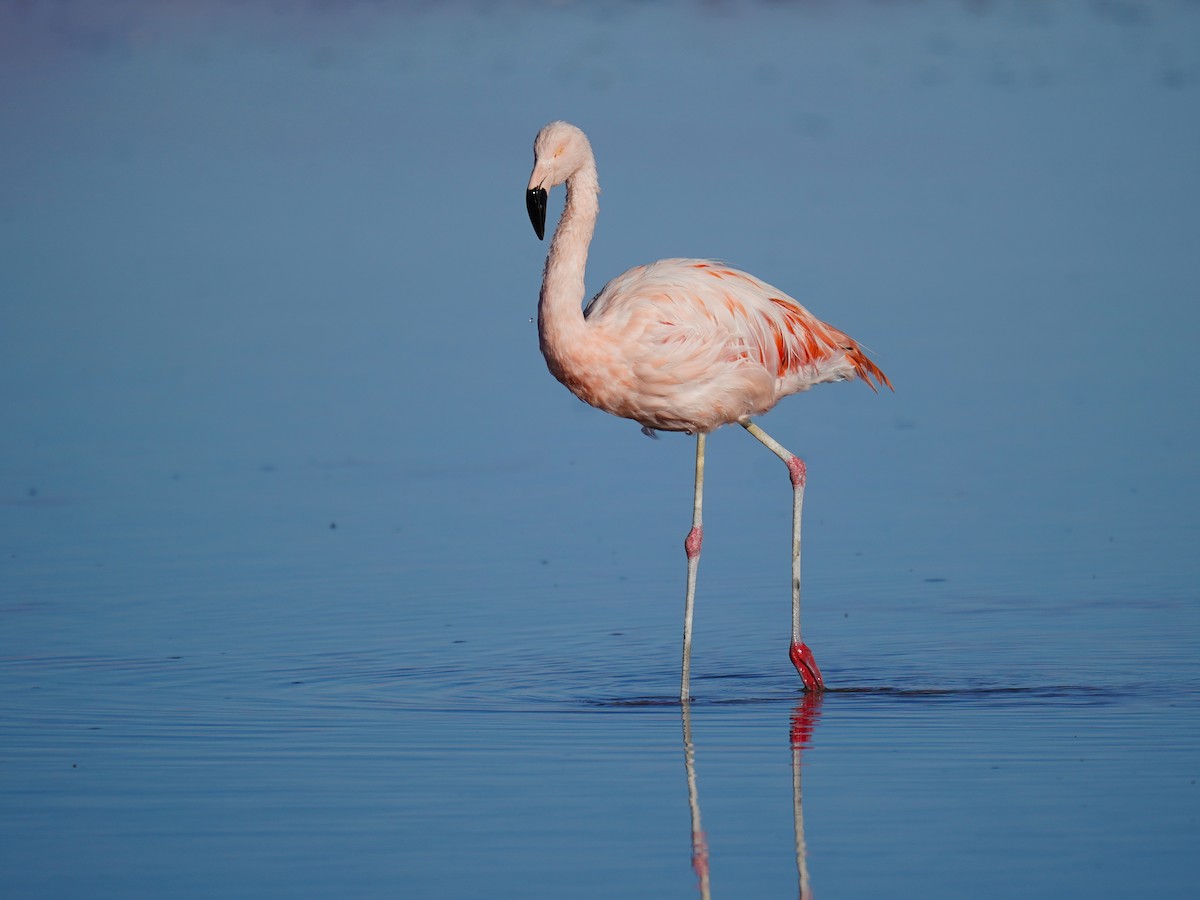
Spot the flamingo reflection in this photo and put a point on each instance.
(699, 843)
(803, 723)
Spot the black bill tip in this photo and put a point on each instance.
(535, 202)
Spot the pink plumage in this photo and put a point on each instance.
(696, 344)
(678, 345)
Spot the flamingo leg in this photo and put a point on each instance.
(692, 546)
(802, 657)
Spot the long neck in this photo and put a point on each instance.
(560, 316)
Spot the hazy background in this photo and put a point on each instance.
(281, 463)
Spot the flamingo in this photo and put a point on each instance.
(678, 345)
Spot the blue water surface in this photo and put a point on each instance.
(314, 582)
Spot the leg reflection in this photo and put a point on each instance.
(804, 720)
(699, 843)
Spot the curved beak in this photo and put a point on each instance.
(535, 202)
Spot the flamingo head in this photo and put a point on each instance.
(559, 151)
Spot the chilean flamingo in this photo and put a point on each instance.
(678, 345)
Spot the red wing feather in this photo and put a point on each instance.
(814, 340)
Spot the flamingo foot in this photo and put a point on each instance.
(802, 659)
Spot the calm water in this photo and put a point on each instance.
(314, 583)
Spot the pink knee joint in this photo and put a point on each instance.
(692, 542)
(798, 471)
